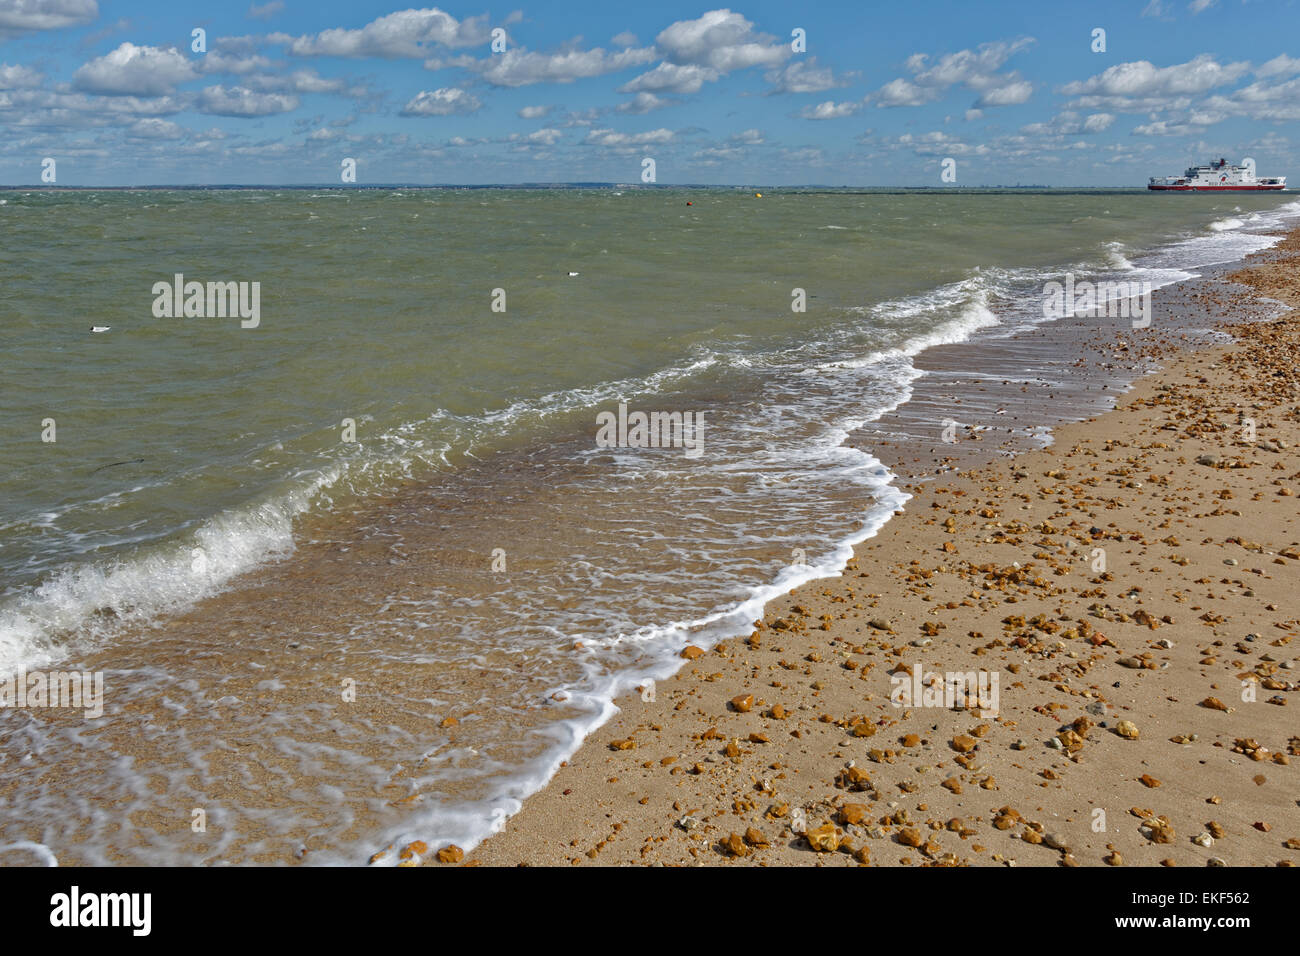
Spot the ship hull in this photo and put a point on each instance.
(1216, 189)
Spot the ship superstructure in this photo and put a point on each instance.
(1219, 176)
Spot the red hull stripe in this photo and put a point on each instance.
(1213, 189)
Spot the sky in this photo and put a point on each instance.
(866, 93)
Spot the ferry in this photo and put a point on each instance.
(1218, 177)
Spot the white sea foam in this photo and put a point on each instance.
(1223, 225)
(86, 603)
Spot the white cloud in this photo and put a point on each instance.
(154, 128)
(18, 77)
(609, 138)
(939, 143)
(520, 67)
(1280, 65)
(1098, 122)
(406, 33)
(716, 155)
(266, 11)
(748, 137)
(644, 102)
(721, 40)
(309, 81)
(803, 76)
(1161, 128)
(1140, 86)
(1200, 6)
(974, 69)
(132, 70)
(1011, 94)
(624, 39)
(1277, 102)
(443, 102)
(241, 101)
(299, 81)
(806, 156)
(829, 110)
(534, 112)
(547, 136)
(24, 15)
(700, 51)
(901, 92)
(1070, 123)
(672, 78)
(217, 62)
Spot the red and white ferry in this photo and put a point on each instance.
(1218, 177)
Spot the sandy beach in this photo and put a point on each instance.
(1126, 600)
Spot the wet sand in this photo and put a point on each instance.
(1132, 588)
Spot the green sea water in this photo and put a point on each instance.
(377, 306)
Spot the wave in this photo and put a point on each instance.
(87, 603)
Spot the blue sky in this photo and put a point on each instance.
(883, 93)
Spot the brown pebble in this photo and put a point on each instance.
(824, 839)
(451, 854)
(734, 846)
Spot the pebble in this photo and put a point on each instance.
(451, 854)
(824, 839)
(853, 813)
(734, 846)
(1056, 842)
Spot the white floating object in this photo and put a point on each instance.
(100, 328)
(572, 274)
